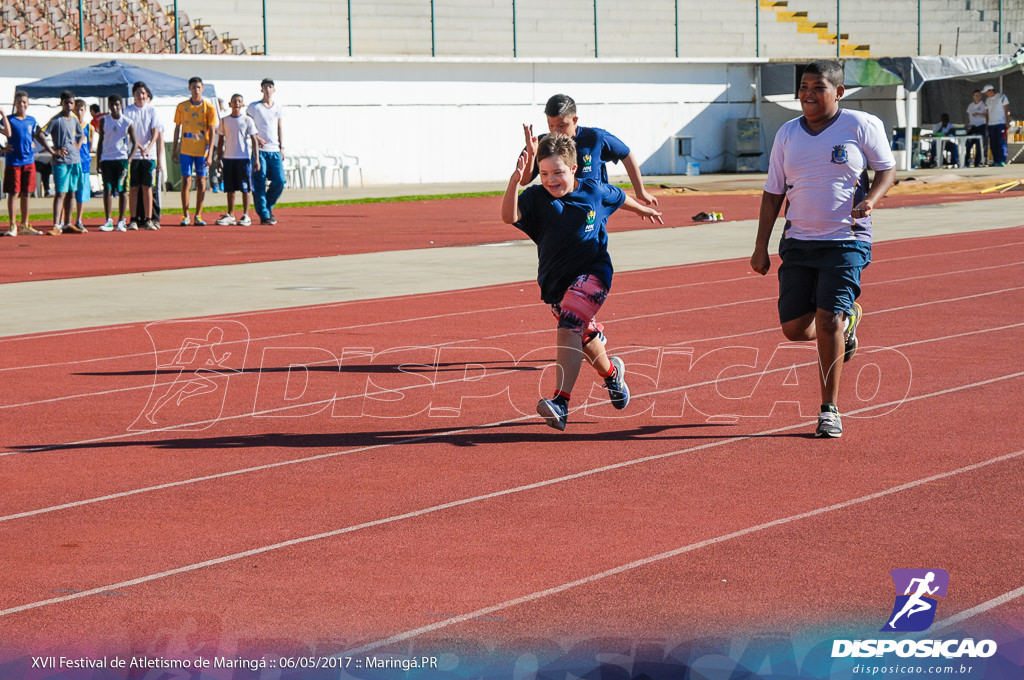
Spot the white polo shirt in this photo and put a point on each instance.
(820, 174)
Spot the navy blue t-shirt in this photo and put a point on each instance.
(594, 148)
(570, 234)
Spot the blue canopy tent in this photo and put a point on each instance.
(112, 77)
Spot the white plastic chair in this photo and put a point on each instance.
(345, 167)
(291, 171)
(331, 169)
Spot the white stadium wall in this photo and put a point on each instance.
(418, 119)
(413, 120)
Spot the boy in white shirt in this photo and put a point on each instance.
(113, 149)
(235, 145)
(819, 164)
(977, 120)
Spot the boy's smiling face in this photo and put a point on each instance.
(558, 178)
(20, 106)
(563, 124)
(819, 98)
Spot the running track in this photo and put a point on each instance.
(368, 476)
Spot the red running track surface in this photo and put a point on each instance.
(354, 475)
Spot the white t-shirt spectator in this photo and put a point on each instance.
(237, 132)
(147, 123)
(115, 138)
(977, 114)
(996, 110)
(266, 118)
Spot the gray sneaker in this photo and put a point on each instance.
(830, 425)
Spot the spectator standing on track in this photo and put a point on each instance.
(235, 146)
(195, 119)
(145, 162)
(268, 116)
(84, 192)
(977, 121)
(67, 137)
(113, 151)
(998, 115)
(594, 148)
(566, 218)
(819, 165)
(22, 132)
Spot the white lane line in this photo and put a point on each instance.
(539, 485)
(630, 566)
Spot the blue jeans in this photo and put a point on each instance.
(997, 142)
(271, 168)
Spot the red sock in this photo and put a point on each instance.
(609, 374)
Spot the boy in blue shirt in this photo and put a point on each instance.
(594, 148)
(566, 218)
(20, 172)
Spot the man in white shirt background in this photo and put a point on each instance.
(998, 114)
(267, 115)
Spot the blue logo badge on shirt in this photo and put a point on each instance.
(839, 154)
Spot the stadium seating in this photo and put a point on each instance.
(780, 29)
(109, 26)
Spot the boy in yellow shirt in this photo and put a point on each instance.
(194, 122)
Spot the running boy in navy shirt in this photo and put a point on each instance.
(566, 218)
(594, 148)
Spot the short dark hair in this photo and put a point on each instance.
(832, 71)
(193, 80)
(20, 93)
(560, 106)
(267, 81)
(95, 108)
(114, 98)
(139, 85)
(67, 94)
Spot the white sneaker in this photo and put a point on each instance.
(121, 226)
(245, 221)
(107, 226)
(226, 220)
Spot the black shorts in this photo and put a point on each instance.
(237, 175)
(142, 172)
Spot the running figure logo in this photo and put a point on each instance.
(201, 356)
(916, 593)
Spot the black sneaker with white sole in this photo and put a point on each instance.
(616, 384)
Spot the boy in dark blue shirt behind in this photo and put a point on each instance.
(594, 148)
(566, 218)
